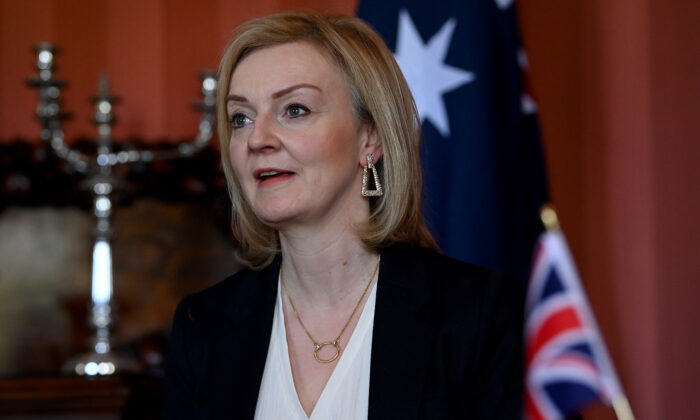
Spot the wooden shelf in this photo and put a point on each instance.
(119, 397)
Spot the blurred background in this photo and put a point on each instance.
(617, 84)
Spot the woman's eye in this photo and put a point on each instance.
(296, 110)
(239, 120)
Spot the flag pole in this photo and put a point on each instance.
(623, 410)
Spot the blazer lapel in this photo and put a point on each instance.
(251, 315)
(401, 338)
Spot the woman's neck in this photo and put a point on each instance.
(322, 268)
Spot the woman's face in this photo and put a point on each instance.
(296, 145)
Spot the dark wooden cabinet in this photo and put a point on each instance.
(119, 397)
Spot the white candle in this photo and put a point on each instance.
(101, 272)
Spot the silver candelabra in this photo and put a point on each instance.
(101, 360)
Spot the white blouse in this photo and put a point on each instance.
(346, 394)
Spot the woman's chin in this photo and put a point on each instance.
(276, 218)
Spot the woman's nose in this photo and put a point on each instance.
(264, 137)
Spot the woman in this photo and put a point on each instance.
(346, 309)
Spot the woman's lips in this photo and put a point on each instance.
(271, 176)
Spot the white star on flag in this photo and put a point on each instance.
(504, 4)
(527, 103)
(425, 71)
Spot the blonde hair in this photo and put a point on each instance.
(380, 96)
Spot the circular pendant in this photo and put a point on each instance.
(318, 347)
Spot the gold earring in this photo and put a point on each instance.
(377, 191)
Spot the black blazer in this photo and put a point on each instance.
(447, 342)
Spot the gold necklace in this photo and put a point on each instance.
(318, 346)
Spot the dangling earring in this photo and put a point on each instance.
(377, 191)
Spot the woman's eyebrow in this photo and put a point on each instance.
(290, 89)
(276, 95)
(236, 98)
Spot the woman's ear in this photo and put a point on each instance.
(370, 144)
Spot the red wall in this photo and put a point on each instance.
(151, 50)
(619, 92)
(618, 86)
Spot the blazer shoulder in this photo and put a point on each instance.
(458, 286)
(444, 271)
(237, 291)
(440, 264)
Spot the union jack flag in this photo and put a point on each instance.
(567, 364)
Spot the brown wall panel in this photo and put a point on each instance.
(151, 50)
(185, 55)
(619, 107)
(624, 115)
(20, 27)
(136, 59)
(675, 42)
(81, 27)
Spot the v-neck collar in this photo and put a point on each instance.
(347, 357)
(401, 334)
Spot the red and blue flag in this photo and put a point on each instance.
(566, 363)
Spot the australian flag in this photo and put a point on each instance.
(484, 178)
(484, 181)
(566, 363)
